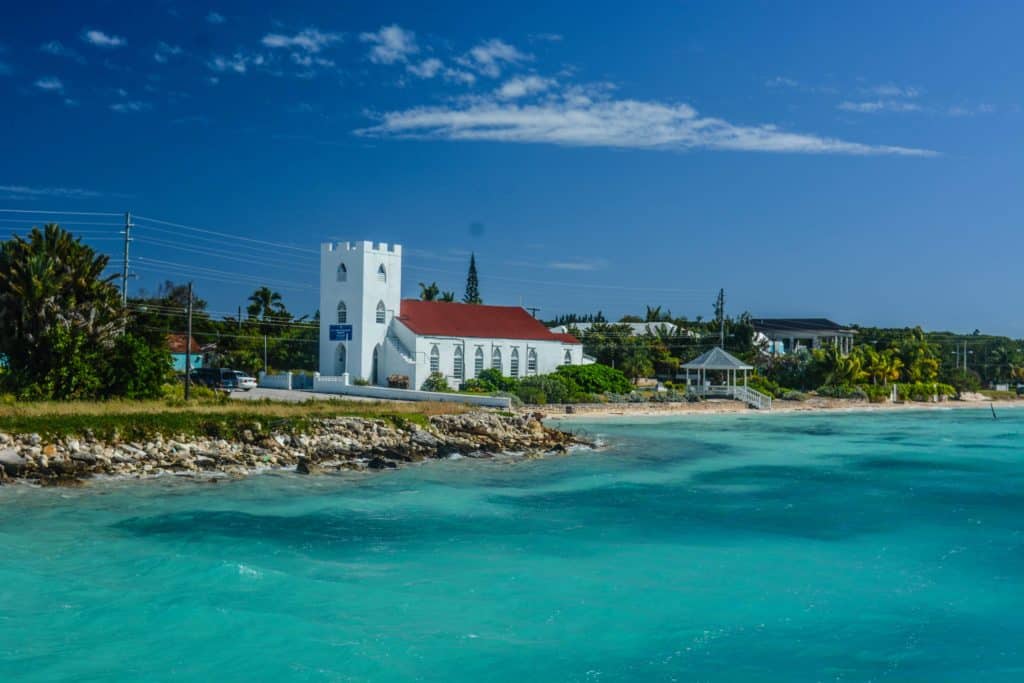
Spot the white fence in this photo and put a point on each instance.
(282, 381)
(329, 384)
(753, 398)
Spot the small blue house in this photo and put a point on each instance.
(178, 346)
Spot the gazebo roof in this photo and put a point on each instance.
(716, 359)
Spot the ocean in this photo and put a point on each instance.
(798, 547)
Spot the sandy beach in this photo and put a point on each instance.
(593, 411)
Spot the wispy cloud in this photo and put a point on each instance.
(59, 49)
(577, 118)
(546, 37)
(50, 84)
(892, 90)
(101, 39)
(577, 265)
(215, 18)
(309, 40)
(876, 106)
(428, 68)
(488, 58)
(522, 86)
(238, 63)
(164, 52)
(390, 44)
(782, 82)
(958, 111)
(26, 192)
(130, 106)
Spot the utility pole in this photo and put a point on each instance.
(239, 318)
(265, 367)
(720, 313)
(124, 266)
(532, 309)
(188, 346)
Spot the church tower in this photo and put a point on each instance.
(360, 292)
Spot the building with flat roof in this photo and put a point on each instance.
(788, 335)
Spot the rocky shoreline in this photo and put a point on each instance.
(323, 445)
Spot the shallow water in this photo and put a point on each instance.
(825, 547)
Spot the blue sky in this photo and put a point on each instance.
(858, 161)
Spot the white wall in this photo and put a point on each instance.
(550, 354)
(334, 385)
(361, 292)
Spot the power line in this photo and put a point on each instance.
(228, 235)
(218, 241)
(59, 213)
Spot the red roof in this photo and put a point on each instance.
(177, 343)
(445, 319)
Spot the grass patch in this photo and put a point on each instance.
(999, 395)
(142, 420)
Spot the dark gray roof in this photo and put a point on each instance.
(797, 324)
(716, 359)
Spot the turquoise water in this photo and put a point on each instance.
(722, 548)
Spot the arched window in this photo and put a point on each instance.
(341, 365)
(380, 312)
(435, 359)
(496, 358)
(478, 361)
(514, 369)
(342, 273)
(460, 368)
(382, 274)
(531, 362)
(568, 357)
(342, 313)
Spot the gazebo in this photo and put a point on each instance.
(717, 360)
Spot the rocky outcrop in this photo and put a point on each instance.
(324, 445)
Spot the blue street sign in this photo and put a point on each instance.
(341, 333)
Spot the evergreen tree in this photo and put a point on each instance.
(472, 295)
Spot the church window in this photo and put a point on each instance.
(514, 369)
(435, 359)
(460, 369)
(342, 313)
(342, 273)
(382, 274)
(380, 312)
(478, 361)
(496, 359)
(568, 357)
(531, 362)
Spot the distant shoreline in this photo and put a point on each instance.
(602, 411)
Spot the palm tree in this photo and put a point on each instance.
(265, 304)
(448, 297)
(429, 292)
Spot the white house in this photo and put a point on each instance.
(368, 331)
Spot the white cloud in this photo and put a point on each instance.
(26, 192)
(581, 120)
(875, 106)
(164, 52)
(521, 86)
(390, 44)
(130, 106)
(782, 82)
(428, 68)
(489, 57)
(215, 18)
(238, 63)
(59, 49)
(310, 40)
(309, 61)
(890, 90)
(459, 76)
(576, 265)
(50, 84)
(958, 111)
(546, 37)
(101, 39)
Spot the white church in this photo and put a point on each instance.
(367, 331)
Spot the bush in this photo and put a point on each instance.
(842, 391)
(436, 382)
(924, 391)
(877, 393)
(137, 370)
(360, 382)
(492, 380)
(765, 386)
(793, 395)
(398, 381)
(595, 378)
(174, 394)
(552, 388)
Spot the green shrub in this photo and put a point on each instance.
(842, 391)
(492, 380)
(793, 395)
(436, 382)
(360, 382)
(137, 370)
(765, 386)
(924, 391)
(595, 378)
(877, 393)
(552, 388)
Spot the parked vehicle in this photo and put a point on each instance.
(246, 382)
(1020, 389)
(218, 379)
